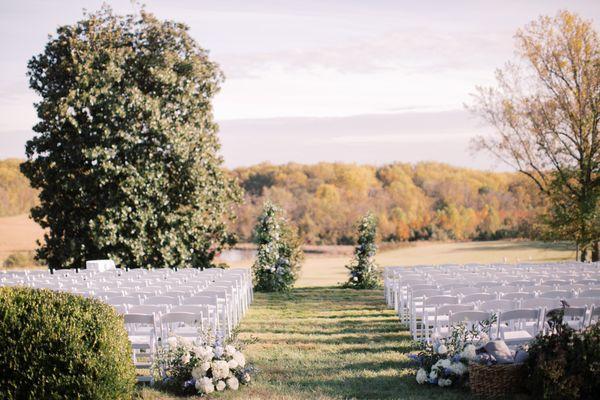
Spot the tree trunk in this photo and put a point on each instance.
(583, 254)
(596, 251)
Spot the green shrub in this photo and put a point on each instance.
(23, 259)
(566, 363)
(61, 346)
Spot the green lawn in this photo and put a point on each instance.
(327, 343)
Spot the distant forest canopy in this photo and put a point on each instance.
(412, 202)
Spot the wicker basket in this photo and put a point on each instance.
(498, 380)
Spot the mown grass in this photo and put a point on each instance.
(327, 343)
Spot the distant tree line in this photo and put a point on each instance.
(411, 202)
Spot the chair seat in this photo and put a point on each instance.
(141, 341)
(512, 336)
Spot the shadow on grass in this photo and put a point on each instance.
(333, 342)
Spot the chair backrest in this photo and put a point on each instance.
(498, 305)
(454, 308)
(180, 318)
(149, 309)
(570, 311)
(162, 300)
(555, 282)
(124, 300)
(540, 303)
(463, 317)
(590, 293)
(420, 293)
(440, 300)
(190, 308)
(584, 302)
(200, 300)
(465, 291)
(518, 296)
(421, 286)
(120, 308)
(519, 314)
(475, 297)
(556, 294)
(108, 293)
(146, 319)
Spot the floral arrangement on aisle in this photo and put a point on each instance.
(444, 361)
(279, 254)
(202, 366)
(362, 268)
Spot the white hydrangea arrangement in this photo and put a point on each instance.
(201, 366)
(444, 362)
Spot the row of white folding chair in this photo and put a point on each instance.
(579, 314)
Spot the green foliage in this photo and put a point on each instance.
(566, 363)
(363, 273)
(279, 254)
(62, 346)
(126, 150)
(21, 259)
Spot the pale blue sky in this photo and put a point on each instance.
(307, 81)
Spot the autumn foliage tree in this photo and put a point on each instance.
(545, 111)
(126, 151)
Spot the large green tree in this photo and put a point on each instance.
(126, 150)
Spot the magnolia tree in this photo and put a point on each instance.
(126, 150)
(362, 268)
(279, 255)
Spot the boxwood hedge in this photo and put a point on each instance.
(62, 346)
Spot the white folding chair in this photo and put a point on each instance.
(182, 324)
(142, 335)
(518, 327)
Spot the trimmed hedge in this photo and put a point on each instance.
(62, 346)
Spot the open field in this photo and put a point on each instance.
(327, 343)
(328, 269)
(18, 234)
(324, 265)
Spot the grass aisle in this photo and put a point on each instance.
(329, 343)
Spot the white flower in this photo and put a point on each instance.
(229, 350)
(220, 369)
(205, 385)
(186, 358)
(172, 341)
(205, 366)
(433, 374)
(444, 382)
(239, 357)
(233, 383)
(355, 279)
(445, 363)
(232, 364)
(469, 352)
(221, 386)
(458, 368)
(421, 376)
(484, 337)
(442, 349)
(197, 372)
